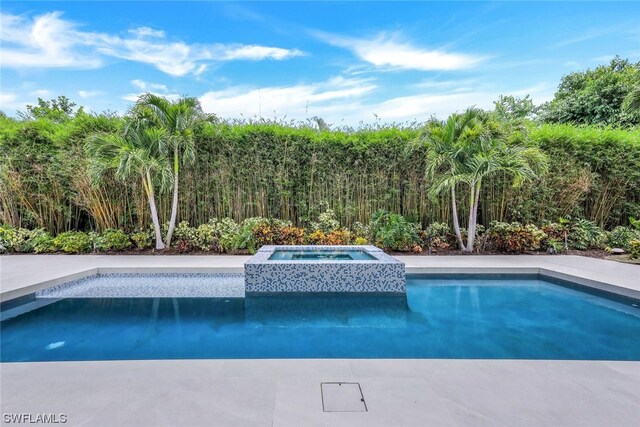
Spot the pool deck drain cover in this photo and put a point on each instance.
(342, 397)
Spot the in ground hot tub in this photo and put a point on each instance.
(276, 269)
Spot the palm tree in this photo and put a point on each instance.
(466, 150)
(137, 153)
(632, 100)
(178, 118)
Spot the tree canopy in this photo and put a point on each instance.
(596, 96)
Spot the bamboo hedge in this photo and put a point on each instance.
(295, 172)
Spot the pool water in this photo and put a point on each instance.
(440, 318)
(315, 255)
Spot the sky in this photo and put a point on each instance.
(346, 62)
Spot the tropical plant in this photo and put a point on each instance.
(514, 237)
(135, 153)
(186, 237)
(338, 237)
(327, 222)
(74, 242)
(141, 239)
(436, 236)
(360, 241)
(620, 237)
(468, 149)
(585, 234)
(634, 249)
(114, 240)
(393, 232)
(178, 119)
(14, 239)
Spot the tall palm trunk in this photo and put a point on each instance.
(473, 215)
(148, 187)
(456, 222)
(174, 203)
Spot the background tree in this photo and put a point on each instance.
(57, 110)
(470, 148)
(596, 96)
(137, 153)
(178, 119)
(515, 109)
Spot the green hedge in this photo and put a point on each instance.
(293, 173)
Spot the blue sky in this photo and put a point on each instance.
(345, 62)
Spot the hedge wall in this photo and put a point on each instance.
(293, 173)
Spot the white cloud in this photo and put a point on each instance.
(146, 86)
(146, 32)
(10, 102)
(350, 101)
(388, 51)
(7, 98)
(298, 101)
(256, 53)
(88, 93)
(40, 93)
(47, 40)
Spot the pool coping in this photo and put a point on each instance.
(609, 276)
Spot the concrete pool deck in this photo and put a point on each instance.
(280, 392)
(277, 392)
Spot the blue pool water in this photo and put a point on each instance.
(314, 255)
(440, 318)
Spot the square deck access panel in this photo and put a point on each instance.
(304, 268)
(342, 397)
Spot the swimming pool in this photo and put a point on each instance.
(441, 317)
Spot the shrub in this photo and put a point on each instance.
(621, 237)
(318, 237)
(224, 232)
(205, 237)
(436, 236)
(557, 236)
(359, 230)
(290, 235)
(142, 239)
(393, 231)
(360, 241)
(240, 238)
(185, 237)
(266, 233)
(338, 237)
(41, 241)
(15, 239)
(113, 240)
(585, 234)
(634, 249)
(514, 237)
(73, 242)
(327, 222)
